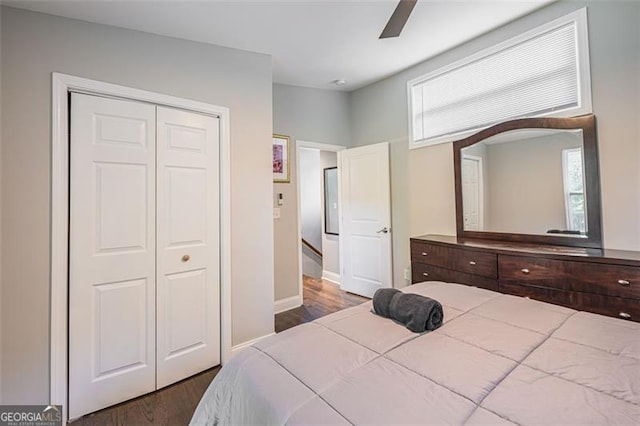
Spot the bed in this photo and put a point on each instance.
(497, 359)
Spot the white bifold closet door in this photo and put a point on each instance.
(144, 249)
(188, 245)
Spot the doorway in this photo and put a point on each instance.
(318, 251)
(320, 245)
(364, 210)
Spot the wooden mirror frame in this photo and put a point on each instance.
(592, 180)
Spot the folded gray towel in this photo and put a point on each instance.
(382, 301)
(418, 313)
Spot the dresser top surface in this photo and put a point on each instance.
(542, 250)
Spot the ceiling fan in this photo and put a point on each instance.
(398, 19)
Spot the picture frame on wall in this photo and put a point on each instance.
(281, 159)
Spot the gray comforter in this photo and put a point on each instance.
(498, 359)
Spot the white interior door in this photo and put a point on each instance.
(365, 226)
(472, 203)
(188, 244)
(112, 253)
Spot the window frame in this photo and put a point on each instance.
(579, 17)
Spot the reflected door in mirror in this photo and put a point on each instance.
(472, 194)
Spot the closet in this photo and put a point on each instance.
(144, 296)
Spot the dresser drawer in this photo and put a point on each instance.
(422, 272)
(475, 262)
(611, 280)
(543, 294)
(469, 261)
(618, 307)
(538, 272)
(430, 254)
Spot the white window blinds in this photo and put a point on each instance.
(542, 72)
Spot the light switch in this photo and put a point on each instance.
(276, 213)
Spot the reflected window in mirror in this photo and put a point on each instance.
(573, 183)
(530, 177)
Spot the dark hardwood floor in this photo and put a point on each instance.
(175, 404)
(320, 298)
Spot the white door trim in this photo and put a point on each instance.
(322, 147)
(62, 84)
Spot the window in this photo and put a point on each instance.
(573, 180)
(542, 72)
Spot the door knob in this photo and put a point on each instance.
(186, 258)
(383, 230)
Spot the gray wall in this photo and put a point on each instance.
(312, 115)
(35, 45)
(422, 179)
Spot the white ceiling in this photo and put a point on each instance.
(313, 42)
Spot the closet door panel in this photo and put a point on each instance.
(186, 190)
(185, 308)
(112, 252)
(188, 321)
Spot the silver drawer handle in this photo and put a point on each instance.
(472, 263)
(525, 270)
(426, 274)
(624, 282)
(624, 315)
(424, 253)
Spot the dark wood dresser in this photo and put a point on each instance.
(606, 282)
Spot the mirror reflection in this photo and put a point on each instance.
(527, 181)
(331, 201)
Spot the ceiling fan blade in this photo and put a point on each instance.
(398, 19)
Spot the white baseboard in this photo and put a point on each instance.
(241, 346)
(288, 303)
(331, 276)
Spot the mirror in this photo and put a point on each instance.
(532, 180)
(527, 181)
(331, 200)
